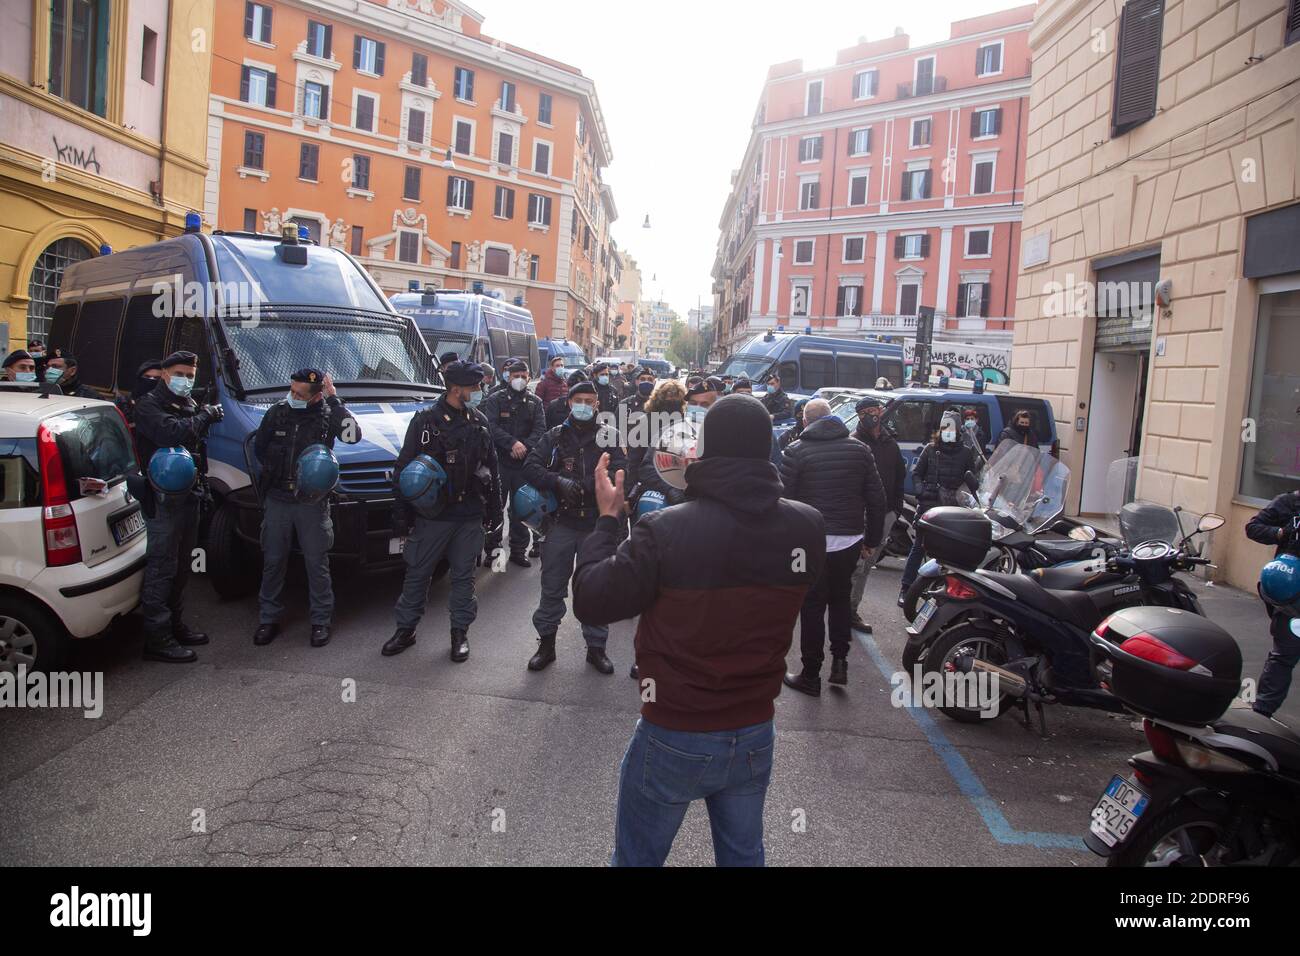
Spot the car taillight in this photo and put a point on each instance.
(62, 546)
(1148, 648)
(959, 590)
(1163, 743)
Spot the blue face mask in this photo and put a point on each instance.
(297, 403)
(603, 379)
(645, 388)
(696, 413)
(52, 375)
(180, 385)
(584, 413)
(24, 376)
(473, 399)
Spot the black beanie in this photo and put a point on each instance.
(737, 426)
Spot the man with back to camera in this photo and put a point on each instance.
(713, 635)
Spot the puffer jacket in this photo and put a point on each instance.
(889, 462)
(551, 387)
(836, 474)
(942, 465)
(1278, 524)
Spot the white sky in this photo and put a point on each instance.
(678, 83)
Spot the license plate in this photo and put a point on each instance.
(396, 545)
(1118, 810)
(124, 529)
(923, 616)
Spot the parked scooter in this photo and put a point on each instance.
(1219, 786)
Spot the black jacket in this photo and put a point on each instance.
(942, 465)
(791, 435)
(1278, 524)
(514, 416)
(836, 474)
(1011, 433)
(557, 411)
(608, 396)
(889, 462)
(459, 440)
(572, 450)
(165, 420)
(713, 634)
(286, 431)
(777, 404)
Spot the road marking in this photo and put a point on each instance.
(966, 779)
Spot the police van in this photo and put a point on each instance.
(572, 353)
(477, 327)
(255, 308)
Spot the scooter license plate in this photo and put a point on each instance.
(1118, 810)
(923, 616)
(396, 545)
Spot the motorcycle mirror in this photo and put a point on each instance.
(1211, 522)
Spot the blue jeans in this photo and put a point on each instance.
(664, 770)
(915, 558)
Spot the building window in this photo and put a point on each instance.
(250, 220)
(986, 123)
(541, 158)
(43, 286)
(460, 193)
(916, 184)
(855, 249)
(454, 261)
(1137, 64)
(924, 84)
(361, 172)
(1269, 464)
(972, 299)
(368, 56)
(496, 261)
(148, 56)
(800, 298)
(464, 137)
(865, 84)
(849, 300)
(463, 84)
(982, 176)
(921, 132)
(539, 210)
(504, 205)
(979, 242)
(308, 161)
(314, 98)
(419, 69)
(408, 246)
(803, 252)
(860, 142)
(505, 149)
(858, 188)
(254, 149)
(813, 102)
(507, 101)
(364, 117)
(988, 59)
(544, 106)
(909, 296)
(415, 126)
(257, 87)
(411, 183)
(257, 22)
(1292, 22)
(320, 40)
(809, 194)
(913, 246)
(534, 268)
(358, 237)
(810, 149)
(79, 53)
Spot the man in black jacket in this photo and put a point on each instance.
(166, 418)
(518, 421)
(1278, 525)
(557, 411)
(776, 401)
(61, 370)
(712, 637)
(1021, 430)
(606, 393)
(893, 473)
(564, 463)
(836, 474)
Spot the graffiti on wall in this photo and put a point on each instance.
(75, 156)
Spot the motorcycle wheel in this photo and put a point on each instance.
(1181, 836)
(900, 540)
(965, 637)
(919, 592)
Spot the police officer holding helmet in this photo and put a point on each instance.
(447, 500)
(168, 418)
(294, 445)
(518, 422)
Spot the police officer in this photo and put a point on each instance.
(168, 417)
(518, 422)
(61, 370)
(146, 380)
(445, 359)
(1278, 525)
(312, 414)
(606, 393)
(19, 366)
(564, 463)
(776, 401)
(455, 434)
(558, 410)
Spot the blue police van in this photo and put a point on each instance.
(661, 368)
(808, 362)
(572, 353)
(477, 327)
(255, 308)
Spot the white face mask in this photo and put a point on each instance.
(948, 435)
(519, 384)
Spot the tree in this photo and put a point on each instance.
(687, 346)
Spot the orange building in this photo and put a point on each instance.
(436, 155)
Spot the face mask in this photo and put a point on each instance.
(24, 376)
(180, 385)
(948, 436)
(696, 413)
(52, 375)
(583, 413)
(519, 384)
(37, 356)
(473, 399)
(1022, 426)
(298, 403)
(645, 388)
(971, 424)
(603, 380)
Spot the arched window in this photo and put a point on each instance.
(47, 276)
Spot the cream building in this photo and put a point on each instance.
(1158, 303)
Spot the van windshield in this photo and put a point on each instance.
(751, 367)
(440, 343)
(329, 278)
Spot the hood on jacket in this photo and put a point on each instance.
(746, 484)
(828, 428)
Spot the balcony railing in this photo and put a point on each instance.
(937, 84)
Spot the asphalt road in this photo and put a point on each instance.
(486, 763)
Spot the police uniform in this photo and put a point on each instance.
(164, 419)
(570, 451)
(607, 395)
(284, 433)
(514, 417)
(68, 386)
(460, 440)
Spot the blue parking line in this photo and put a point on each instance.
(965, 778)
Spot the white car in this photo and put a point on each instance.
(72, 538)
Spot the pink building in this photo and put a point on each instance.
(890, 181)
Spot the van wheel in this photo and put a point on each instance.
(234, 568)
(30, 635)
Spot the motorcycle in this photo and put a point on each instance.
(1220, 785)
(900, 536)
(1032, 630)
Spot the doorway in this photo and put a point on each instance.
(1114, 421)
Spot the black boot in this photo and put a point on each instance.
(517, 557)
(320, 635)
(545, 655)
(402, 638)
(839, 671)
(169, 652)
(188, 638)
(265, 634)
(596, 658)
(459, 646)
(634, 673)
(806, 682)
(860, 625)
(536, 550)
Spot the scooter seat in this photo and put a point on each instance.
(1059, 550)
(1278, 739)
(1072, 606)
(1073, 577)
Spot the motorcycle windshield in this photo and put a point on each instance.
(1141, 520)
(1024, 484)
